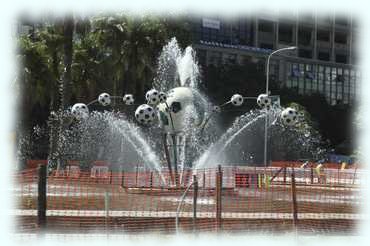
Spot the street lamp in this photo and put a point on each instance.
(267, 93)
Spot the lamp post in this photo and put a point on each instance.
(267, 93)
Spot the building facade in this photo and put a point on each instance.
(323, 63)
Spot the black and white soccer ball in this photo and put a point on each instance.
(289, 116)
(184, 109)
(104, 99)
(80, 111)
(145, 114)
(264, 101)
(128, 99)
(237, 100)
(152, 97)
(216, 109)
(162, 97)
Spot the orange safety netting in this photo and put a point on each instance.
(252, 199)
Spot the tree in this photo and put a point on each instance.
(115, 53)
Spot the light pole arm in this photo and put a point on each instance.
(267, 93)
(268, 65)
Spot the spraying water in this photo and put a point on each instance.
(112, 136)
(176, 68)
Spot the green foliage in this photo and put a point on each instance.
(115, 53)
(303, 141)
(38, 75)
(221, 82)
(333, 123)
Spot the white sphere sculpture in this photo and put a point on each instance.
(152, 97)
(145, 114)
(289, 116)
(216, 109)
(264, 101)
(80, 111)
(237, 100)
(162, 97)
(185, 109)
(128, 99)
(104, 99)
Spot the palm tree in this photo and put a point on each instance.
(61, 65)
(133, 43)
(65, 86)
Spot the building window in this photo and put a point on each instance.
(324, 56)
(301, 80)
(294, 76)
(286, 33)
(304, 36)
(341, 21)
(308, 76)
(309, 17)
(327, 20)
(305, 53)
(288, 71)
(229, 59)
(321, 79)
(341, 58)
(266, 46)
(323, 35)
(202, 56)
(333, 86)
(313, 76)
(327, 83)
(346, 87)
(340, 38)
(214, 58)
(265, 26)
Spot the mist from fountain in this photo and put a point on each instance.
(113, 137)
(216, 152)
(109, 136)
(188, 69)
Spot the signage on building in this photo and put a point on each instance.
(210, 23)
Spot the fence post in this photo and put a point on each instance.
(354, 175)
(41, 197)
(284, 178)
(151, 180)
(218, 192)
(136, 174)
(312, 179)
(338, 175)
(106, 206)
(195, 198)
(204, 179)
(122, 178)
(294, 201)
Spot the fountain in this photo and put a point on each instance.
(176, 129)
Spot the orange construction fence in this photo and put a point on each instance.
(247, 199)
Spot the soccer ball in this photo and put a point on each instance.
(104, 99)
(128, 99)
(80, 111)
(264, 101)
(289, 116)
(145, 114)
(185, 109)
(152, 97)
(237, 100)
(216, 109)
(162, 97)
